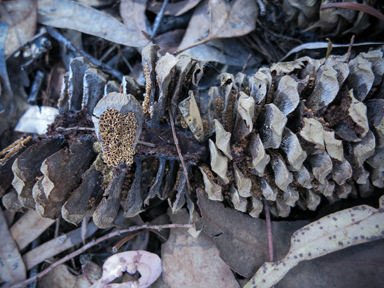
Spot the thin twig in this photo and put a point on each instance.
(95, 242)
(246, 62)
(57, 227)
(179, 151)
(109, 51)
(85, 274)
(159, 16)
(350, 48)
(56, 35)
(269, 230)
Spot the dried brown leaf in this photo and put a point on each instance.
(12, 268)
(29, 227)
(241, 239)
(190, 262)
(72, 15)
(214, 20)
(331, 233)
(21, 17)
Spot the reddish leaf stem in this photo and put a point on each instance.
(350, 48)
(93, 243)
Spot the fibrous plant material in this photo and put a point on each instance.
(118, 122)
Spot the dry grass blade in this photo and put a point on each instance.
(329, 234)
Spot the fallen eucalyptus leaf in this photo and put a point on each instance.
(241, 239)
(36, 119)
(193, 262)
(331, 233)
(12, 266)
(72, 15)
(209, 23)
(21, 16)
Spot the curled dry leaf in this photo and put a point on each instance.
(220, 19)
(331, 233)
(72, 15)
(146, 263)
(21, 17)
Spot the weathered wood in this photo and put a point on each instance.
(255, 207)
(341, 171)
(269, 192)
(361, 151)
(287, 96)
(243, 183)
(333, 146)
(155, 188)
(281, 173)
(361, 175)
(93, 85)
(375, 113)
(303, 177)
(291, 196)
(239, 203)
(260, 158)
(271, 123)
(77, 68)
(108, 208)
(62, 170)
(327, 188)
(311, 136)
(312, 200)
(321, 165)
(11, 202)
(219, 162)
(245, 112)
(27, 167)
(213, 190)
(283, 209)
(77, 205)
(293, 152)
(223, 139)
(133, 203)
(10, 154)
(342, 191)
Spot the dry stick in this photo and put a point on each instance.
(93, 243)
(350, 48)
(93, 129)
(246, 62)
(179, 151)
(159, 16)
(56, 35)
(269, 229)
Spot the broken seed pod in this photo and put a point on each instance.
(118, 120)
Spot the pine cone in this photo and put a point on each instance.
(292, 133)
